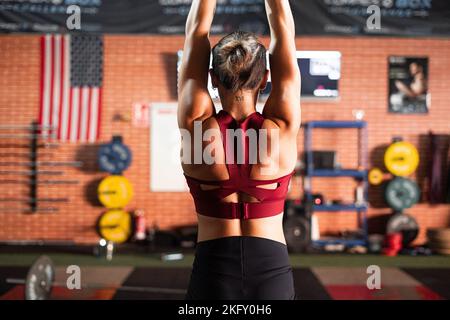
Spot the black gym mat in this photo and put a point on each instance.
(172, 278)
(435, 279)
(308, 286)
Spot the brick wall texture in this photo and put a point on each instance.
(143, 68)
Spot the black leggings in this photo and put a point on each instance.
(239, 268)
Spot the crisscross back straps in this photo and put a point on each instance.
(245, 141)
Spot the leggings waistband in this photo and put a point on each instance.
(240, 256)
(239, 238)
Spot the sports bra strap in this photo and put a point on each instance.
(226, 122)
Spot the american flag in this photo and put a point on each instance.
(71, 86)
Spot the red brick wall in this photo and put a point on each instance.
(143, 68)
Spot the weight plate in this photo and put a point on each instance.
(114, 157)
(115, 226)
(375, 176)
(401, 158)
(404, 224)
(402, 194)
(39, 281)
(297, 233)
(115, 192)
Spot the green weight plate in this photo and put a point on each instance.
(402, 193)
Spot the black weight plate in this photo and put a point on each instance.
(297, 233)
(114, 157)
(402, 194)
(404, 224)
(40, 279)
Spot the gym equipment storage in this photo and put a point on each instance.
(360, 174)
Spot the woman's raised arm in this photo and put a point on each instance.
(194, 101)
(283, 105)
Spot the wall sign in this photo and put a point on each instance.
(313, 17)
(141, 114)
(166, 174)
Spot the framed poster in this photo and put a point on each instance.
(408, 85)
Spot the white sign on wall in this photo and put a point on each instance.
(141, 116)
(166, 174)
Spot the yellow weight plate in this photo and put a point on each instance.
(115, 225)
(401, 158)
(115, 192)
(375, 176)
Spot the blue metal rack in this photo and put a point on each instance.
(360, 174)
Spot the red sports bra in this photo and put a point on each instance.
(209, 202)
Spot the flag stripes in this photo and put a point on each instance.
(73, 110)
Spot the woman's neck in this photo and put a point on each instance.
(239, 104)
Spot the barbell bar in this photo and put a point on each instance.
(34, 200)
(46, 145)
(22, 155)
(31, 172)
(40, 281)
(76, 164)
(41, 182)
(26, 136)
(35, 210)
(106, 286)
(26, 127)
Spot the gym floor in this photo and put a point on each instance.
(317, 277)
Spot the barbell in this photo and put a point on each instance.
(38, 210)
(76, 164)
(32, 127)
(45, 145)
(26, 136)
(22, 155)
(31, 172)
(34, 200)
(46, 182)
(40, 281)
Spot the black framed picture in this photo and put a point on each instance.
(408, 85)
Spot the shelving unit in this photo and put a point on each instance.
(360, 174)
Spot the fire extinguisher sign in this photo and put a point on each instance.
(141, 114)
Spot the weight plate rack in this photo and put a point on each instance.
(31, 168)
